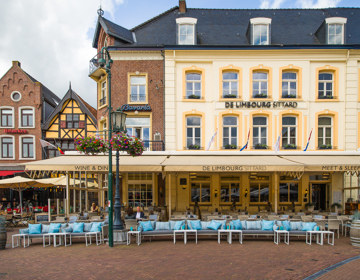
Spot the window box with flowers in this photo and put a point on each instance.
(193, 96)
(230, 96)
(260, 146)
(194, 147)
(230, 146)
(260, 95)
(290, 147)
(91, 145)
(325, 147)
(124, 143)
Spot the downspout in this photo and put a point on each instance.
(163, 55)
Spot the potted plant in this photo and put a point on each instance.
(326, 97)
(91, 145)
(355, 229)
(335, 207)
(230, 96)
(125, 143)
(194, 147)
(230, 146)
(261, 95)
(310, 206)
(290, 147)
(325, 147)
(193, 96)
(261, 146)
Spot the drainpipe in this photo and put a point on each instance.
(163, 55)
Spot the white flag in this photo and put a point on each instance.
(277, 144)
(211, 141)
(46, 144)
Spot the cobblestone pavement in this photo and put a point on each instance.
(347, 271)
(161, 259)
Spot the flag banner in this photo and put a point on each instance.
(277, 144)
(211, 140)
(60, 151)
(46, 144)
(247, 142)
(307, 145)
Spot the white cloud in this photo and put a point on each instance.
(271, 4)
(317, 3)
(50, 39)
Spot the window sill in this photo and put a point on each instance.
(27, 158)
(260, 99)
(103, 106)
(26, 127)
(290, 99)
(7, 158)
(230, 99)
(7, 127)
(327, 100)
(141, 103)
(193, 100)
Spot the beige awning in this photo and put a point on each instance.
(61, 181)
(231, 163)
(99, 163)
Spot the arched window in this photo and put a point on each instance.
(230, 84)
(260, 127)
(289, 85)
(193, 85)
(230, 132)
(260, 85)
(325, 132)
(193, 133)
(289, 132)
(326, 85)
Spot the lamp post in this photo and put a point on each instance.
(118, 120)
(105, 62)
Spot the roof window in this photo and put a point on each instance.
(186, 31)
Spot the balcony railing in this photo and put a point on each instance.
(102, 101)
(154, 146)
(94, 62)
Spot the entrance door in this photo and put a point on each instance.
(318, 193)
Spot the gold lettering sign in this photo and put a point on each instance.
(91, 168)
(233, 168)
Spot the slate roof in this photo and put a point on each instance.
(49, 96)
(229, 26)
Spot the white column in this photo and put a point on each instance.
(86, 193)
(74, 203)
(276, 192)
(80, 191)
(169, 175)
(67, 212)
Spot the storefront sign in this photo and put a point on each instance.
(341, 168)
(258, 104)
(91, 168)
(234, 168)
(127, 107)
(16, 131)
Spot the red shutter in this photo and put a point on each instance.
(63, 124)
(81, 124)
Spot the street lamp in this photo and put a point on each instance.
(118, 122)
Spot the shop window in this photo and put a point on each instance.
(72, 120)
(193, 86)
(230, 132)
(289, 85)
(26, 117)
(140, 190)
(326, 86)
(325, 131)
(193, 133)
(289, 135)
(288, 192)
(27, 147)
(138, 88)
(260, 85)
(103, 91)
(7, 116)
(259, 192)
(200, 191)
(139, 128)
(7, 147)
(230, 85)
(260, 127)
(230, 189)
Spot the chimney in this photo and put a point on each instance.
(16, 63)
(182, 6)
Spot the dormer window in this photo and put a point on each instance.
(335, 30)
(186, 31)
(260, 31)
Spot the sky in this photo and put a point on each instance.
(53, 39)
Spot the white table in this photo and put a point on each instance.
(321, 233)
(137, 235)
(89, 234)
(190, 231)
(229, 233)
(54, 235)
(18, 238)
(277, 236)
(180, 231)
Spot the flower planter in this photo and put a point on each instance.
(260, 148)
(230, 96)
(289, 148)
(355, 233)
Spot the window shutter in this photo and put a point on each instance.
(82, 124)
(63, 124)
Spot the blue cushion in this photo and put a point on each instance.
(275, 227)
(204, 225)
(67, 229)
(45, 228)
(54, 228)
(24, 231)
(223, 223)
(95, 227)
(78, 228)
(296, 225)
(237, 224)
(87, 227)
(267, 225)
(253, 225)
(146, 226)
(308, 226)
(178, 225)
(286, 225)
(172, 224)
(195, 225)
(63, 225)
(214, 225)
(162, 225)
(34, 228)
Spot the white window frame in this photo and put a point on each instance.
(103, 92)
(20, 147)
(193, 82)
(261, 21)
(13, 117)
(12, 94)
(323, 127)
(186, 21)
(259, 130)
(193, 127)
(230, 81)
(338, 21)
(13, 139)
(325, 82)
(288, 130)
(288, 81)
(20, 116)
(229, 127)
(259, 81)
(137, 85)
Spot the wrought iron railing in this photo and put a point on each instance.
(154, 146)
(102, 101)
(94, 62)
